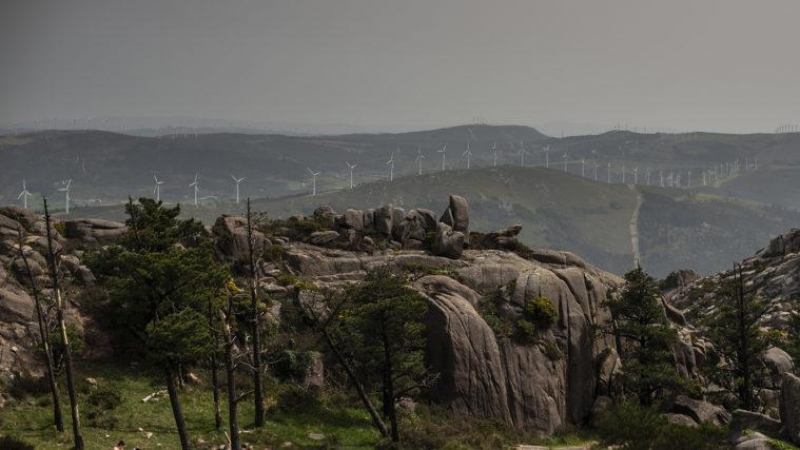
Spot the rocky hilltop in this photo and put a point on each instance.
(493, 360)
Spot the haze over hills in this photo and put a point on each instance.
(108, 167)
(702, 228)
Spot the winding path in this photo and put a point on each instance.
(634, 227)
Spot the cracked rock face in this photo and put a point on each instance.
(480, 373)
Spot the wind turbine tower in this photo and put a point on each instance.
(351, 167)
(565, 161)
(314, 181)
(494, 154)
(390, 163)
(467, 153)
(418, 160)
(583, 168)
(547, 157)
(609, 173)
(196, 185)
(443, 151)
(157, 187)
(24, 195)
(636, 175)
(65, 190)
(237, 181)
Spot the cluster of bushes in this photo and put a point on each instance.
(537, 317)
(630, 426)
(99, 407)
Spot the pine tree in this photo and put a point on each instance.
(162, 276)
(645, 339)
(382, 325)
(740, 345)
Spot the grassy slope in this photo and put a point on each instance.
(31, 420)
(557, 210)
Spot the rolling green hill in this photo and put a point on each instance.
(107, 167)
(677, 228)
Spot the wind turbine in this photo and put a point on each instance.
(157, 187)
(65, 190)
(623, 172)
(689, 179)
(237, 180)
(494, 154)
(522, 152)
(443, 151)
(547, 157)
(609, 172)
(636, 175)
(390, 163)
(565, 161)
(467, 153)
(647, 176)
(583, 168)
(196, 185)
(596, 165)
(314, 181)
(351, 166)
(418, 160)
(24, 195)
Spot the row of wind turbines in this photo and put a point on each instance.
(671, 179)
(65, 188)
(195, 185)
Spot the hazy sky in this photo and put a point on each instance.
(727, 65)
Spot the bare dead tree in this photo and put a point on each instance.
(44, 333)
(73, 399)
(258, 388)
(232, 363)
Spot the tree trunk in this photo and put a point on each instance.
(44, 333)
(258, 388)
(362, 394)
(211, 317)
(215, 387)
(177, 412)
(230, 369)
(388, 387)
(73, 399)
(744, 356)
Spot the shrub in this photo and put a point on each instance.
(541, 312)
(524, 332)
(291, 365)
(646, 428)
(296, 399)
(24, 386)
(275, 253)
(12, 443)
(100, 405)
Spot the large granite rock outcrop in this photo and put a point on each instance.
(541, 386)
(19, 330)
(790, 407)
